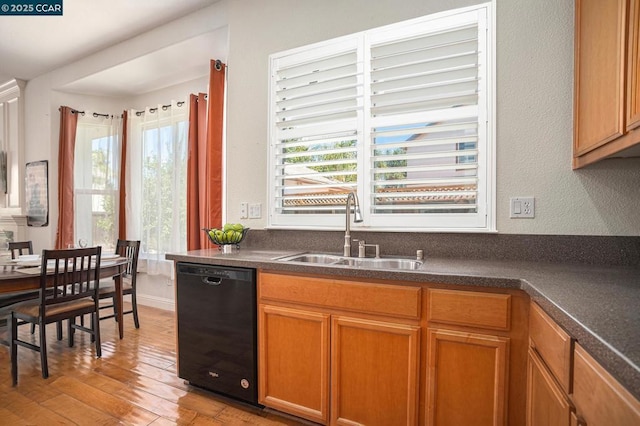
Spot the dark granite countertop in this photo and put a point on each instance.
(598, 305)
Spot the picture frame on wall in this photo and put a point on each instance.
(37, 193)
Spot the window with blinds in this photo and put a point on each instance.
(399, 114)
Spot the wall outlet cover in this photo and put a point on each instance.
(522, 208)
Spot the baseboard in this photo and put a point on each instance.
(156, 302)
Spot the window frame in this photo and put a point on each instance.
(80, 154)
(485, 218)
(135, 179)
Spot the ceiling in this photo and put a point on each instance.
(34, 45)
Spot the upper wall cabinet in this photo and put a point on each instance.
(607, 80)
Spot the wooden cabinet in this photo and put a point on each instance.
(548, 371)
(566, 386)
(600, 400)
(294, 361)
(374, 372)
(466, 378)
(476, 357)
(553, 344)
(606, 104)
(633, 67)
(547, 404)
(363, 338)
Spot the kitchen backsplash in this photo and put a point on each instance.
(596, 250)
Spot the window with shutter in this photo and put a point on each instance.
(401, 114)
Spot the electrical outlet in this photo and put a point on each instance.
(255, 211)
(244, 210)
(522, 207)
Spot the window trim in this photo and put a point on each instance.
(485, 219)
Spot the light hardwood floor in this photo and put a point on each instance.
(135, 382)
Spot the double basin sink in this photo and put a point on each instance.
(357, 262)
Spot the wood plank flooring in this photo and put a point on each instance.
(135, 382)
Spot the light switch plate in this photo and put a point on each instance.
(522, 208)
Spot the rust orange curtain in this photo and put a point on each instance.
(196, 171)
(68, 126)
(204, 164)
(122, 223)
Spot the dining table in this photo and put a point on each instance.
(22, 276)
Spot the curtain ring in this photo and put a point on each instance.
(218, 65)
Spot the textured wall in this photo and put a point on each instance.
(534, 108)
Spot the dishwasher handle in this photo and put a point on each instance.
(211, 280)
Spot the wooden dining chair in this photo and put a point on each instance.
(18, 248)
(73, 275)
(129, 249)
(8, 301)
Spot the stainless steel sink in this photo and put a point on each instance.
(356, 262)
(381, 263)
(313, 258)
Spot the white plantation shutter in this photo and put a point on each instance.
(427, 99)
(399, 114)
(316, 107)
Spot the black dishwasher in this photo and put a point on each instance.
(216, 311)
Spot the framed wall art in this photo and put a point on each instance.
(37, 193)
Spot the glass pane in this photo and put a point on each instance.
(97, 163)
(315, 177)
(96, 183)
(98, 222)
(417, 171)
(164, 189)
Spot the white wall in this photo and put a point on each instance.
(43, 96)
(534, 108)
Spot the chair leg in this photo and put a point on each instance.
(93, 326)
(13, 335)
(115, 310)
(43, 348)
(134, 308)
(33, 328)
(95, 318)
(71, 330)
(59, 330)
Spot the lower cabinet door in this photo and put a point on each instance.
(374, 372)
(293, 368)
(466, 378)
(546, 402)
(599, 398)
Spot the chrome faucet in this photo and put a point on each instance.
(357, 217)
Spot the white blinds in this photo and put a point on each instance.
(399, 114)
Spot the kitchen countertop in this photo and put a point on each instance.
(597, 305)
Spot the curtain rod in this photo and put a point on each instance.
(95, 114)
(164, 108)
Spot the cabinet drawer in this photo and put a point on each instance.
(552, 343)
(470, 308)
(371, 298)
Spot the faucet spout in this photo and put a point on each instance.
(357, 217)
